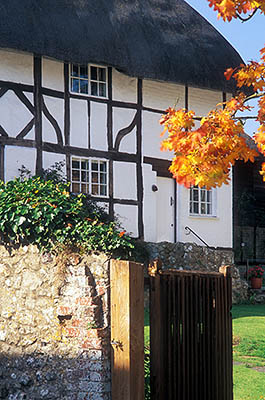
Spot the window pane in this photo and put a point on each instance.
(84, 188)
(93, 73)
(75, 164)
(94, 88)
(102, 74)
(95, 189)
(75, 187)
(75, 71)
(75, 85)
(75, 175)
(83, 72)
(102, 89)
(103, 166)
(103, 178)
(84, 165)
(195, 195)
(209, 209)
(203, 195)
(203, 208)
(83, 86)
(94, 166)
(209, 196)
(196, 208)
(103, 190)
(83, 176)
(94, 177)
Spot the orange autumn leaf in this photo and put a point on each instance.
(121, 234)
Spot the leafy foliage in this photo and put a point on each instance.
(45, 213)
(204, 155)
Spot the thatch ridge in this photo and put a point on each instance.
(158, 39)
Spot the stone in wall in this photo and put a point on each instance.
(54, 326)
(190, 256)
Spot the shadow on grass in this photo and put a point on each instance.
(248, 310)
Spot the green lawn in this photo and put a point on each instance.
(248, 351)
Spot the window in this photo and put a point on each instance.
(201, 201)
(88, 79)
(89, 176)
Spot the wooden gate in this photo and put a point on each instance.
(191, 335)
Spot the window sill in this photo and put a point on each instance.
(208, 217)
(87, 95)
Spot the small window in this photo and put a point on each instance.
(88, 79)
(89, 176)
(201, 201)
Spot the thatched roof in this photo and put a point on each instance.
(158, 39)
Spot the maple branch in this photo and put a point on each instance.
(249, 17)
(253, 96)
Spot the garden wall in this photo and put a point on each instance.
(54, 326)
(190, 256)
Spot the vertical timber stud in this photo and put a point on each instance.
(38, 111)
(127, 330)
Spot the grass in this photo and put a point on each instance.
(248, 351)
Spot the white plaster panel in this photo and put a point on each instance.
(16, 67)
(14, 115)
(49, 160)
(128, 218)
(149, 204)
(124, 87)
(56, 109)
(215, 231)
(15, 157)
(79, 123)
(125, 186)
(161, 95)
(52, 74)
(121, 119)
(98, 126)
(202, 100)
(151, 136)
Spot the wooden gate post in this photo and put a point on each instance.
(156, 340)
(127, 330)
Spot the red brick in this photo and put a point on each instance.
(73, 332)
(101, 290)
(64, 310)
(84, 301)
(93, 343)
(77, 322)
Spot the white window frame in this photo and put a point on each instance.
(202, 201)
(89, 80)
(89, 184)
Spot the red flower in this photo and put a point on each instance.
(121, 234)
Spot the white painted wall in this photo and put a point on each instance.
(124, 87)
(121, 119)
(78, 123)
(52, 74)
(215, 231)
(161, 95)
(56, 109)
(14, 114)
(124, 184)
(16, 67)
(128, 218)
(98, 126)
(15, 157)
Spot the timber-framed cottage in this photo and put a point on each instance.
(85, 82)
